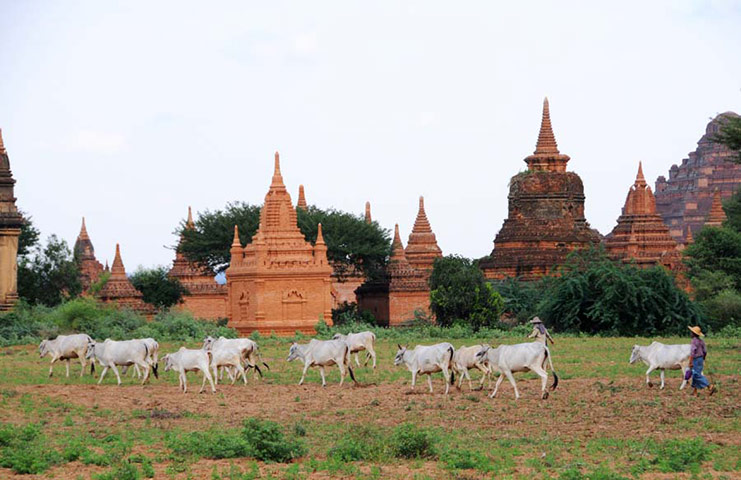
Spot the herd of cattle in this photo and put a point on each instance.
(237, 356)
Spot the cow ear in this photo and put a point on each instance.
(398, 345)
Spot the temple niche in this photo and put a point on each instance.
(279, 282)
(119, 290)
(404, 289)
(90, 267)
(546, 215)
(641, 236)
(205, 298)
(10, 229)
(685, 198)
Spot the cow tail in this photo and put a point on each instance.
(155, 365)
(347, 360)
(259, 357)
(450, 366)
(550, 362)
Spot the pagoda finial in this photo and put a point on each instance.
(688, 236)
(421, 224)
(189, 223)
(107, 268)
(717, 215)
(368, 218)
(277, 177)
(319, 236)
(2, 145)
(301, 199)
(546, 140)
(236, 242)
(117, 269)
(640, 180)
(397, 248)
(83, 230)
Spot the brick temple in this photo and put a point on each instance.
(546, 215)
(716, 215)
(685, 198)
(404, 288)
(205, 298)
(90, 267)
(10, 229)
(641, 236)
(119, 290)
(280, 282)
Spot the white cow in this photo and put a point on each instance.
(359, 342)
(153, 358)
(523, 357)
(658, 355)
(66, 347)
(112, 354)
(190, 360)
(247, 345)
(428, 359)
(323, 353)
(464, 358)
(231, 358)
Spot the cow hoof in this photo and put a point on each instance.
(650, 385)
(544, 396)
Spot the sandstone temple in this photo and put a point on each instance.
(10, 229)
(205, 298)
(279, 282)
(641, 236)
(119, 290)
(684, 200)
(90, 267)
(404, 290)
(546, 215)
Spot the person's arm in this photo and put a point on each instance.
(533, 333)
(548, 336)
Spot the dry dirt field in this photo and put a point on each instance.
(602, 422)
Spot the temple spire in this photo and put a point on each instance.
(688, 236)
(236, 242)
(640, 180)
(546, 140)
(368, 218)
(117, 269)
(319, 236)
(277, 177)
(2, 145)
(83, 231)
(189, 223)
(717, 215)
(397, 248)
(421, 224)
(301, 199)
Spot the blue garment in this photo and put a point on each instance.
(698, 379)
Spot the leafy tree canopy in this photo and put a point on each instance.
(460, 293)
(714, 261)
(157, 287)
(49, 275)
(29, 235)
(730, 134)
(351, 243)
(593, 294)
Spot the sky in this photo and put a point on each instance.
(128, 112)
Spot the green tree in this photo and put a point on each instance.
(593, 294)
(49, 275)
(732, 207)
(714, 261)
(29, 236)
(460, 293)
(730, 134)
(351, 243)
(158, 288)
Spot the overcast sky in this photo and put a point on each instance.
(128, 112)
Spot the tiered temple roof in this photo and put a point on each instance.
(90, 267)
(546, 215)
(10, 229)
(640, 235)
(685, 198)
(717, 215)
(119, 290)
(422, 248)
(279, 282)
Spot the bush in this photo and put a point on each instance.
(359, 443)
(268, 443)
(348, 313)
(215, 443)
(410, 441)
(25, 449)
(466, 459)
(724, 309)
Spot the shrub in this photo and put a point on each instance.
(724, 309)
(25, 449)
(359, 443)
(466, 459)
(348, 313)
(268, 443)
(215, 443)
(410, 441)
(680, 455)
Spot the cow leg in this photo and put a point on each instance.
(66, 362)
(648, 380)
(357, 360)
(82, 361)
(241, 371)
(543, 374)
(662, 379)
(485, 372)
(511, 379)
(102, 374)
(496, 386)
(145, 366)
(684, 382)
(414, 379)
(324, 381)
(372, 353)
(342, 371)
(115, 370)
(429, 381)
(184, 380)
(446, 377)
(51, 365)
(303, 375)
(216, 376)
